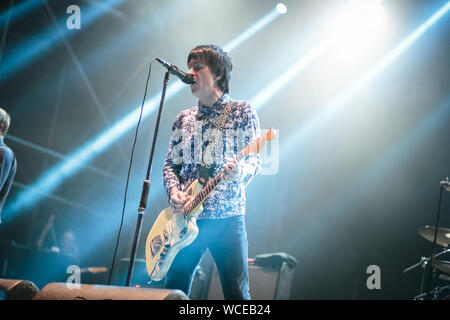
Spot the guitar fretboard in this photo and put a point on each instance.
(201, 196)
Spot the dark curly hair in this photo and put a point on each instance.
(218, 61)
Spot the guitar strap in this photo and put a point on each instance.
(206, 171)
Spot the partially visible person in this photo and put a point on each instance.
(8, 163)
(69, 245)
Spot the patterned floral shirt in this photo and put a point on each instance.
(197, 146)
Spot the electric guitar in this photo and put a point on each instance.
(172, 232)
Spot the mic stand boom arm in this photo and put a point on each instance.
(146, 185)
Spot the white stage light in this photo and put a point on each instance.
(357, 29)
(281, 8)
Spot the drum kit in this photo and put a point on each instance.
(439, 269)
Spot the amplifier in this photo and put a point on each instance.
(265, 284)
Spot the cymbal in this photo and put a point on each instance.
(443, 266)
(443, 235)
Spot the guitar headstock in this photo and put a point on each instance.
(255, 146)
(270, 134)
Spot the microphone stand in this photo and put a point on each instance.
(146, 185)
(444, 184)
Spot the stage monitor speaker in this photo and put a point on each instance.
(13, 289)
(265, 284)
(140, 275)
(62, 291)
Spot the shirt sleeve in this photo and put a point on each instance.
(170, 169)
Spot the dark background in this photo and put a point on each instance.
(350, 194)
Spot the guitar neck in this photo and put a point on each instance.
(209, 188)
(203, 194)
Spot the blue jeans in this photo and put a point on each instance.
(226, 239)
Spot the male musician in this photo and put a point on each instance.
(8, 164)
(205, 140)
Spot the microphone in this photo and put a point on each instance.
(185, 77)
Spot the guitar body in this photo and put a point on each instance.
(169, 234)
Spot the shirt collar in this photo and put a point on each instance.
(217, 107)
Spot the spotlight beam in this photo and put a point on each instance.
(18, 10)
(36, 46)
(58, 155)
(280, 82)
(433, 121)
(82, 73)
(54, 177)
(401, 150)
(59, 199)
(264, 95)
(338, 105)
(7, 18)
(272, 15)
